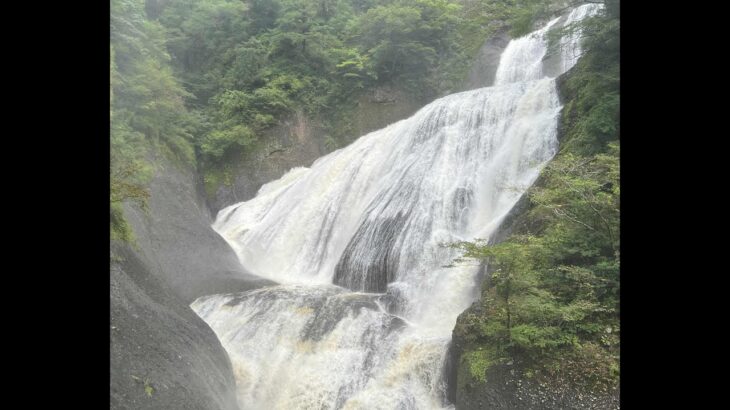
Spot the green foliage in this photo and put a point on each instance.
(264, 14)
(126, 184)
(521, 17)
(592, 116)
(331, 143)
(119, 227)
(149, 389)
(148, 103)
(580, 195)
(356, 71)
(251, 64)
(217, 142)
(147, 108)
(405, 39)
(478, 361)
(215, 176)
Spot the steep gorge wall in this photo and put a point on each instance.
(175, 236)
(162, 354)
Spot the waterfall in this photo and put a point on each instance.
(365, 308)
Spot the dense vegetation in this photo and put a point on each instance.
(147, 107)
(551, 302)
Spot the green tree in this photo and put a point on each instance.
(147, 107)
(404, 39)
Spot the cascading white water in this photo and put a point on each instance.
(570, 48)
(365, 310)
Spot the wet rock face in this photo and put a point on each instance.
(296, 142)
(505, 389)
(175, 236)
(162, 355)
(484, 66)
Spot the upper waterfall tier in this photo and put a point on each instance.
(363, 216)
